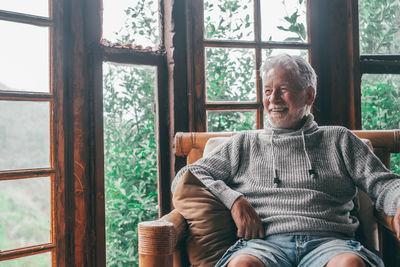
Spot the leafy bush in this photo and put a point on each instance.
(380, 106)
(379, 34)
(130, 162)
(379, 26)
(130, 149)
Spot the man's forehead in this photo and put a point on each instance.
(284, 83)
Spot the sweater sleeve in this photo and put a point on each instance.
(370, 174)
(217, 169)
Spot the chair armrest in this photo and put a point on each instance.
(179, 224)
(158, 239)
(385, 220)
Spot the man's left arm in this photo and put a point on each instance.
(370, 174)
(396, 223)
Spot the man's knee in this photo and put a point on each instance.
(346, 259)
(245, 260)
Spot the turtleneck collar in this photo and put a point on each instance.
(309, 125)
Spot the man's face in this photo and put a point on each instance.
(285, 102)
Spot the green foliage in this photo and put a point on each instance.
(141, 26)
(25, 218)
(380, 34)
(379, 26)
(230, 121)
(129, 159)
(380, 102)
(294, 27)
(130, 149)
(230, 74)
(380, 106)
(228, 19)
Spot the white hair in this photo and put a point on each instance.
(303, 73)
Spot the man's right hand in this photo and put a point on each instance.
(247, 220)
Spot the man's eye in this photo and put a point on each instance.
(267, 92)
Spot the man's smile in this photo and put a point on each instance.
(278, 109)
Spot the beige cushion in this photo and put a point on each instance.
(212, 143)
(211, 228)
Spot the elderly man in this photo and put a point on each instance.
(290, 186)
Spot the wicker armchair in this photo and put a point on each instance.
(161, 242)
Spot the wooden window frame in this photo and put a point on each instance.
(372, 63)
(100, 53)
(198, 105)
(380, 64)
(55, 172)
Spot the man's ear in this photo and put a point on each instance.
(310, 96)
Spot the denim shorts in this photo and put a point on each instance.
(298, 250)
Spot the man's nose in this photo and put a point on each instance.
(275, 96)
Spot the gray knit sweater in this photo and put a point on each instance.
(298, 203)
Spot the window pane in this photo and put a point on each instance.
(32, 7)
(226, 121)
(229, 20)
(380, 106)
(230, 74)
(379, 27)
(25, 212)
(380, 94)
(130, 157)
(24, 54)
(284, 20)
(131, 21)
(24, 135)
(293, 52)
(39, 260)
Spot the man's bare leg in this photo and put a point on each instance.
(245, 260)
(346, 260)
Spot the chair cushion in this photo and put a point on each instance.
(212, 143)
(211, 228)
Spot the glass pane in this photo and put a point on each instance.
(227, 121)
(395, 163)
(380, 105)
(39, 260)
(230, 74)
(380, 94)
(293, 52)
(131, 21)
(284, 20)
(24, 135)
(379, 27)
(130, 157)
(25, 212)
(229, 20)
(24, 54)
(32, 7)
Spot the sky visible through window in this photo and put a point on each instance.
(24, 51)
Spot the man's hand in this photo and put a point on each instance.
(396, 223)
(247, 220)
